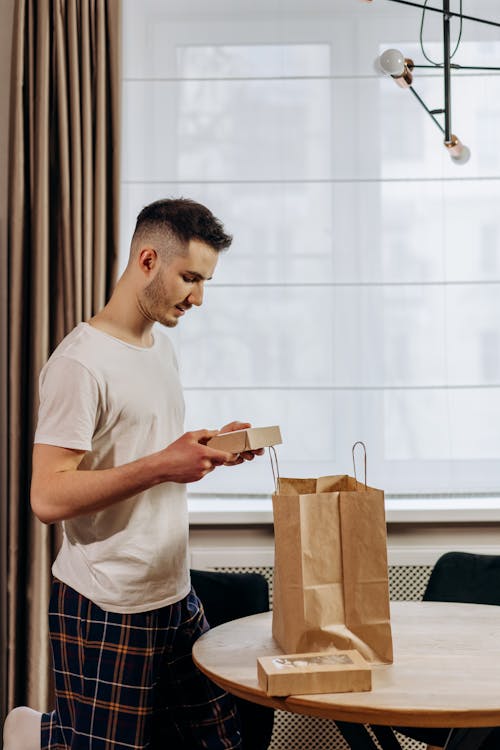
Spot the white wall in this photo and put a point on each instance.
(408, 543)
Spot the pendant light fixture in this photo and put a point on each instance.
(393, 63)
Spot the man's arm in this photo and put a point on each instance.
(59, 490)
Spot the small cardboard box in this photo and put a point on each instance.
(250, 439)
(318, 672)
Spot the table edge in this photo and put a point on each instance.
(400, 717)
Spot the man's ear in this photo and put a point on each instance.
(148, 259)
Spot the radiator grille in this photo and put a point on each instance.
(293, 732)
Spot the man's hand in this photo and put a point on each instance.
(189, 459)
(238, 458)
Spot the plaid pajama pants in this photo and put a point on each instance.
(128, 681)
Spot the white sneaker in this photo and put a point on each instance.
(21, 730)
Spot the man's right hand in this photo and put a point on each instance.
(189, 459)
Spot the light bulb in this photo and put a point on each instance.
(463, 157)
(392, 62)
(459, 153)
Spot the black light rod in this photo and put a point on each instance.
(424, 105)
(446, 71)
(451, 13)
(457, 66)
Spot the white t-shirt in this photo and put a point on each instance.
(119, 402)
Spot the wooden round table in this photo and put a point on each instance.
(446, 670)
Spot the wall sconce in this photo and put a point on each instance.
(393, 63)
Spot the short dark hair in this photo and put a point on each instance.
(183, 220)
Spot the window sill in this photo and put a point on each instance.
(227, 510)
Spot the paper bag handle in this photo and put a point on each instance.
(274, 467)
(359, 442)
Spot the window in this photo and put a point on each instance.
(360, 299)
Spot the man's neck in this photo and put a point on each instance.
(122, 320)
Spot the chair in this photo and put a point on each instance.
(465, 577)
(471, 579)
(456, 577)
(229, 596)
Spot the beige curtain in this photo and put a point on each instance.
(62, 251)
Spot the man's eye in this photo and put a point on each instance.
(188, 279)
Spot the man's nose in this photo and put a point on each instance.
(196, 295)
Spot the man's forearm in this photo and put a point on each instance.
(69, 493)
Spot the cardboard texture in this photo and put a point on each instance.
(246, 440)
(319, 672)
(331, 584)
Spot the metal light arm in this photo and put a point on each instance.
(449, 13)
(446, 72)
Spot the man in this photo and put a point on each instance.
(110, 461)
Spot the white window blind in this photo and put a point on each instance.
(361, 297)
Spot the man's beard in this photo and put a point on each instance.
(156, 299)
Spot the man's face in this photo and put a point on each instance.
(178, 284)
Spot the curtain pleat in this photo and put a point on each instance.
(62, 250)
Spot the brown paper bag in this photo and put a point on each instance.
(330, 572)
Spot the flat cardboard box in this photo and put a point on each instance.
(317, 672)
(250, 439)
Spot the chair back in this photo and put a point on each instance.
(465, 577)
(228, 596)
